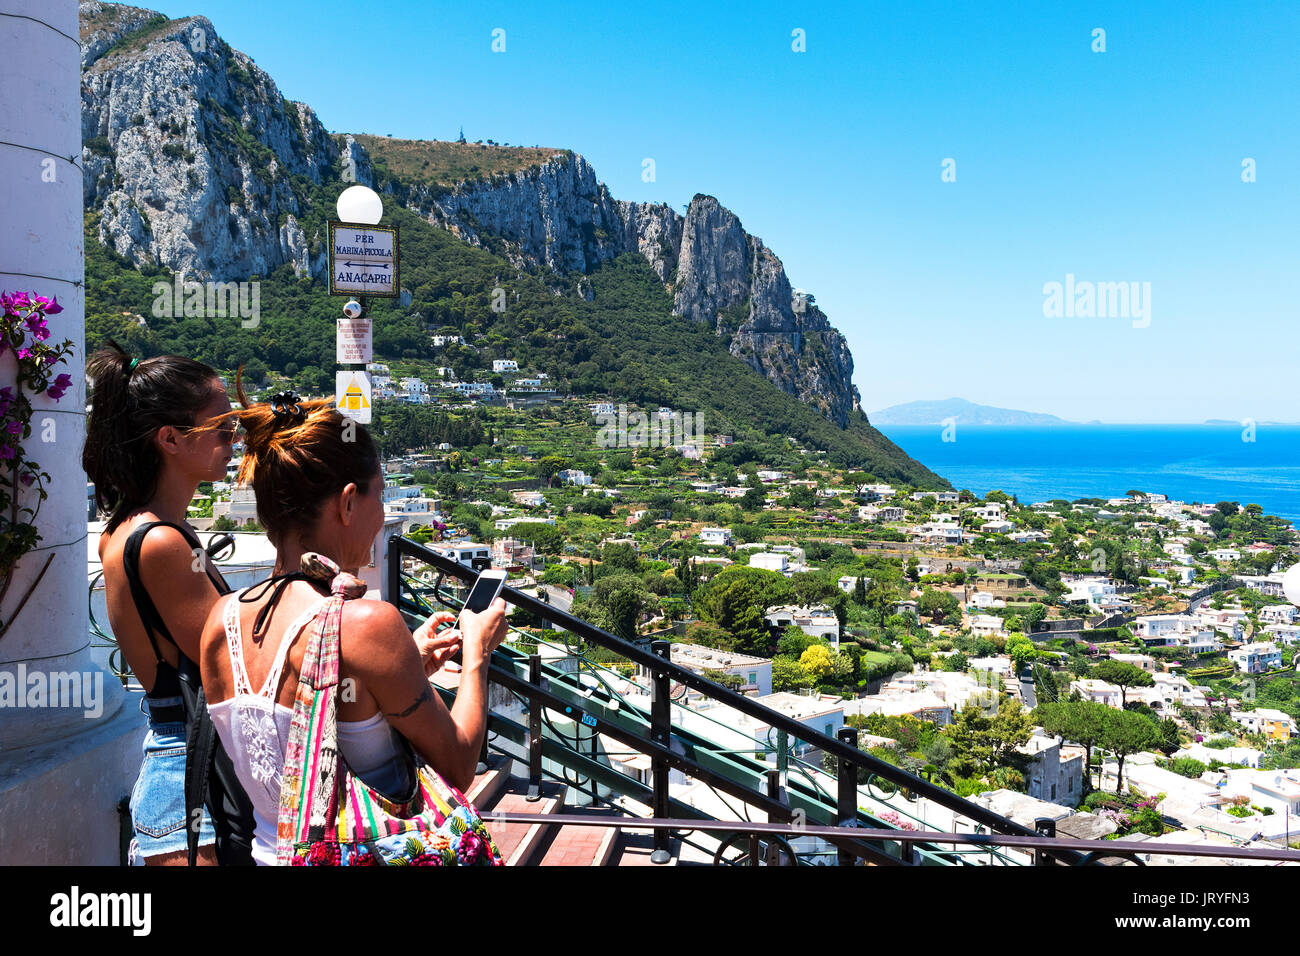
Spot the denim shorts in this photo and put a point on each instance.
(158, 799)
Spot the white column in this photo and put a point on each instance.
(62, 770)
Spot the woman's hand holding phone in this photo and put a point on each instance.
(483, 631)
(437, 646)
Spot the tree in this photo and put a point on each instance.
(615, 558)
(954, 662)
(548, 466)
(1123, 675)
(860, 592)
(788, 674)
(1124, 733)
(1080, 721)
(794, 642)
(816, 660)
(544, 537)
(938, 605)
(982, 741)
(686, 574)
(1033, 615)
(1021, 649)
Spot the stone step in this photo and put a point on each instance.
(483, 791)
(579, 845)
(634, 848)
(521, 844)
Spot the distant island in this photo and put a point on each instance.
(964, 412)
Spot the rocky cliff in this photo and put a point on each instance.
(194, 161)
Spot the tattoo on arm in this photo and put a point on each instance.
(425, 694)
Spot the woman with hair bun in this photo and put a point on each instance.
(156, 429)
(318, 483)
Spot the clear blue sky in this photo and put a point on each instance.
(1115, 166)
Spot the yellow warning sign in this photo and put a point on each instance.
(352, 395)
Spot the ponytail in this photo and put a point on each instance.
(129, 404)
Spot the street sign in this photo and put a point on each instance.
(354, 343)
(352, 395)
(363, 259)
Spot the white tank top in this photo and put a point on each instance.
(254, 729)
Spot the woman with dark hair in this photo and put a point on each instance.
(146, 451)
(319, 485)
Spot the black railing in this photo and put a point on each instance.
(1040, 842)
(658, 744)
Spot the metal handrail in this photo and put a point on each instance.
(1097, 848)
(848, 754)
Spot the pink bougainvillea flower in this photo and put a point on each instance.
(27, 478)
(6, 451)
(37, 327)
(51, 305)
(18, 300)
(14, 428)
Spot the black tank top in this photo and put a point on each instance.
(210, 778)
(167, 683)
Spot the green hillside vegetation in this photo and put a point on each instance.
(439, 163)
(625, 343)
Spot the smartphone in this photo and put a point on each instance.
(485, 590)
(481, 596)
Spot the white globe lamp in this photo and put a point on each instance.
(360, 204)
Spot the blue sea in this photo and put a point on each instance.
(1205, 463)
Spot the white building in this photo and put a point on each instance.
(992, 511)
(986, 625)
(1263, 720)
(1257, 658)
(756, 672)
(463, 552)
(768, 561)
(241, 508)
(937, 534)
(1278, 613)
(815, 621)
(1097, 690)
(574, 476)
(876, 492)
(1055, 770)
(505, 365)
(880, 513)
(715, 536)
(1279, 790)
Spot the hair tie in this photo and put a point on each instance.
(318, 567)
(131, 368)
(287, 408)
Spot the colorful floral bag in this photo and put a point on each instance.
(328, 816)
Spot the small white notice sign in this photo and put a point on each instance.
(354, 343)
